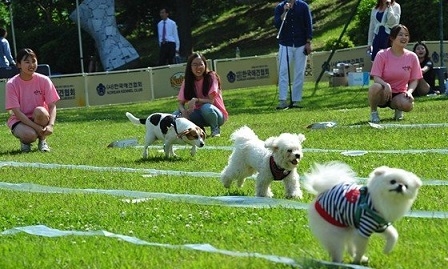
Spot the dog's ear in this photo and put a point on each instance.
(271, 143)
(201, 132)
(301, 137)
(380, 170)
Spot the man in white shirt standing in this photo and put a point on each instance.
(168, 38)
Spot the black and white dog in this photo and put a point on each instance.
(170, 129)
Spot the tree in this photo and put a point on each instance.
(184, 25)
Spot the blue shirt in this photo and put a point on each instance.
(5, 54)
(298, 25)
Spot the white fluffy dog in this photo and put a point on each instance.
(274, 159)
(345, 214)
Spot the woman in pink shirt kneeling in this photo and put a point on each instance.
(396, 71)
(31, 98)
(200, 96)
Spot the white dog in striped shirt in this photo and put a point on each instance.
(344, 214)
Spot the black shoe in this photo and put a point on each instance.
(295, 105)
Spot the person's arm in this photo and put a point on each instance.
(185, 111)
(181, 107)
(412, 85)
(176, 37)
(416, 74)
(278, 12)
(7, 50)
(309, 30)
(393, 15)
(428, 66)
(159, 33)
(383, 83)
(371, 29)
(52, 112)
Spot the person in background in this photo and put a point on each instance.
(395, 71)
(200, 96)
(6, 59)
(31, 97)
(294, 21)
(168, 38)
(385, 15)
(427, 83)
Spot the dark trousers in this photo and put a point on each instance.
(167, 53)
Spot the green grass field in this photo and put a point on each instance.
(83, 174)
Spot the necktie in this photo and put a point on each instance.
(164, 32)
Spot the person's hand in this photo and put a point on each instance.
(308, 48)
(48, 130)
(409, 96)
(40, 131)
(191, 104)
(186, 113)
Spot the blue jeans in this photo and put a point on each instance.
(207, 115)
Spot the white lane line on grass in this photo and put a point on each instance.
(314, 150)
(42, 230)
(155, 172)
(109, 169)
(231, 201)
(401, 125)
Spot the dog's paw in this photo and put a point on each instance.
(295, 195)
(363, 261)
(193, 151)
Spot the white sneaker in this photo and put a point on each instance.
(25, 147)
(216, 132)
(43, 146)
(374, 117)
(398, 115)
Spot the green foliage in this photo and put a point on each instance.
(358, 33)
(55, 40)
(245, 24)
(333, 44)
(423, 19)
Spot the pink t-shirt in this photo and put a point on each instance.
(215, 92)
(398, 71)
(27, 95)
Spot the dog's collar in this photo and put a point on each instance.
(277, 172)
(179, 135)
(363, 205)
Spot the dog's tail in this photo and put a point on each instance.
(243, 134)
(134, 119)
(324, 176)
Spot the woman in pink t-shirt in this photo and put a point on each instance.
(396, 71)
(31, 98)
(200, 97)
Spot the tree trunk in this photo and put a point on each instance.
(183, 17)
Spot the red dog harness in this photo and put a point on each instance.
(277, 172)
